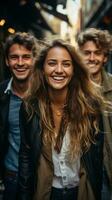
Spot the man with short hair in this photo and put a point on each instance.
(95, 46)
(20, 55)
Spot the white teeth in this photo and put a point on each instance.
(92, 65)
(21, 70)
(58, 78)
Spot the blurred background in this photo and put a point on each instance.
(49, 18)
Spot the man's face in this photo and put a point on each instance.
(20, 62)
(94, 57)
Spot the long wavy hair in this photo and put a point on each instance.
(82, 105)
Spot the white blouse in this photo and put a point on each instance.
(66, 171)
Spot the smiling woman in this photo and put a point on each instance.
(63, 108)
(58, 69)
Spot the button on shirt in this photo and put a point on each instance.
(66, 171)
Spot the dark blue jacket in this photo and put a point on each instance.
(4, 110)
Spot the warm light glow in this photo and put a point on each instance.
(11, 30)
(23, 2)
(2, 22)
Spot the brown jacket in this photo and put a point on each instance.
(107, 85)
(107, 121)
(45, 176)
(36, 171)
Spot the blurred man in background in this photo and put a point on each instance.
(95, 46)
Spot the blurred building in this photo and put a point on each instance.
(42, 17)
(97, 14)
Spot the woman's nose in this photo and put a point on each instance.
(59, 68)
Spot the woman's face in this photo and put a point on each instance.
(58, 68)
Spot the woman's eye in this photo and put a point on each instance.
(51, 63)
(66, 64)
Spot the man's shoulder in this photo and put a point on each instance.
(3, 85)
(107, 84)
(108, 75)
